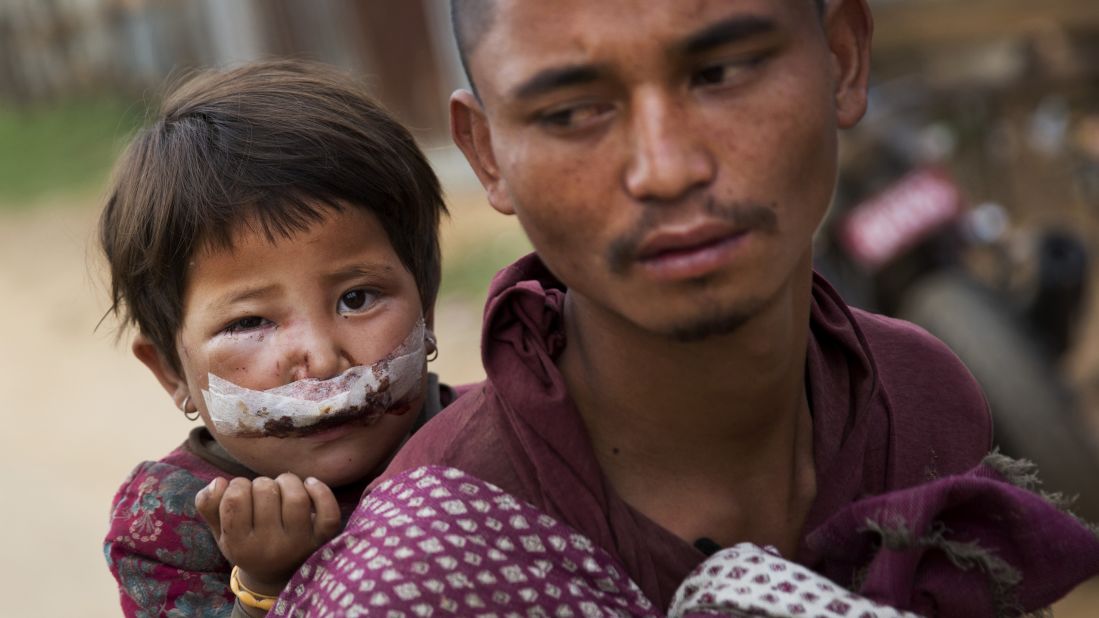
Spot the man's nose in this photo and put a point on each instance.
(312, 352)
(670, 156)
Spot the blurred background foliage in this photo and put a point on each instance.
(61, 147)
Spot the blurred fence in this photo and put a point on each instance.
(55, 49)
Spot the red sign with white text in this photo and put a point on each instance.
(882, 227)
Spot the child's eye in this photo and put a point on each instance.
(356, 301)
(251, 322)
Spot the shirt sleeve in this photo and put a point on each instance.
(164, 558)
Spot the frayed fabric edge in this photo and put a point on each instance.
(1023, 473)
(1002, 577)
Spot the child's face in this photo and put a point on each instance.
(262, 315)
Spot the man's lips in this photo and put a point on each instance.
(689, 252)
(684, 239)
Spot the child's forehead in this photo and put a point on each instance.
(278, 224)
(256, 242)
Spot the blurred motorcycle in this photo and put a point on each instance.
(902, 240)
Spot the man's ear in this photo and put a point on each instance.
(470, 131)
(849, 27)
(169, 378)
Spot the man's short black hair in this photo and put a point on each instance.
(472, 18)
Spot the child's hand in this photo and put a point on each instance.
(267, 527)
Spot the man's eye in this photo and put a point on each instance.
(576, 116)
(251, 322)
(710, 76)
(355, 301)
(726, 72)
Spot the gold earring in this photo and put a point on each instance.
(432, 347)
(191, 415)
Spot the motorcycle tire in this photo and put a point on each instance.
(1033, 415)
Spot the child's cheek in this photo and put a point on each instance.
(251, 360)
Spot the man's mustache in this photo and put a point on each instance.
(625, 250)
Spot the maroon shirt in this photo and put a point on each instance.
(892, 408)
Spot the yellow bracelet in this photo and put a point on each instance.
(246, 596)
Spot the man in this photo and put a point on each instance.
(666, 375)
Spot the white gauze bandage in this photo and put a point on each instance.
(362, 394)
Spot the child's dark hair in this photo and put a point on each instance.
(272, 145)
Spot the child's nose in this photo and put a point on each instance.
(314, 353)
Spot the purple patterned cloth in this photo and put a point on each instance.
(437, 541)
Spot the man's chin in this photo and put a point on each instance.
(710, 322)
(711, 326)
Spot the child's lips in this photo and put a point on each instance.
(283, 427)
(336, 424)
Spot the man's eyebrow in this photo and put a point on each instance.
(727, 31)
(558, 77)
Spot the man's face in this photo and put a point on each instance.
(669, 161)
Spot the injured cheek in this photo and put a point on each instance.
(360, 395)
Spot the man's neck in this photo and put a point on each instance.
(709, 438)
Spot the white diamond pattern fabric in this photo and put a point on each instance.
(435, 541)
(748, 580)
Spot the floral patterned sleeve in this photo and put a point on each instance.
(160, 551)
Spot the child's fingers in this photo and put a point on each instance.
(208, 501)
(236, 508)
(326, 518)
(266, 505)
(297, 506)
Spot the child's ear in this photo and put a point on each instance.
(429, 318)
(169, 378)
(432, 344)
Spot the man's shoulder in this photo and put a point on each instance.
(907, 356)
(468, 435)
(935, 401)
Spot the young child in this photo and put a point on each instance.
(273, 237)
